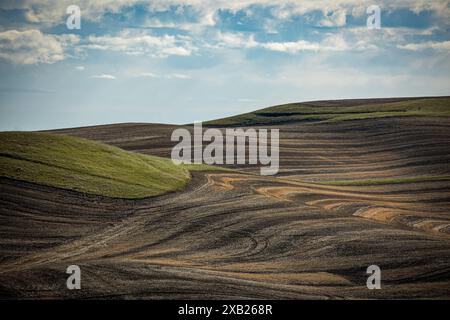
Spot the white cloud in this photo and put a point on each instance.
(395, 38)
(177, 76)
(142, 43)
(161, 76)
(104, 76)
(333, 42)
(52, 12)
(80, 68)
(291, 47)
(235, 40)
(33, 46)
(435, 45)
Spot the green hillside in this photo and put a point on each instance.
(87, 166)
(340, 110)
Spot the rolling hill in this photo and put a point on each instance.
(361, 182)
(340, 110)
(87, 166)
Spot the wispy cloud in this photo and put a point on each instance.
(443, 45)
(181, 76)
(234, 40)
(104, 76)
(333, 42)
(147, 75)
(177, 76)
(142, 43)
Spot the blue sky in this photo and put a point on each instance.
(178, 61)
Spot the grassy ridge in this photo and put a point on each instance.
(316, 112)
(87, 166)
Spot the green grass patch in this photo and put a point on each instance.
(311, 112)
(374, 182)
(88, 166)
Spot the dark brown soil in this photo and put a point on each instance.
(237, 235)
